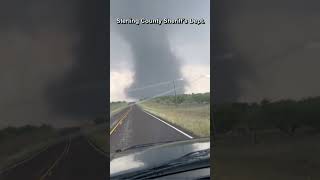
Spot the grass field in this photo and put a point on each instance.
(20, 143)
(277, 156)
(100, 139)
(117, 106)
(194, 117)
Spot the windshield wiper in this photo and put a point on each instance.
(193, 160)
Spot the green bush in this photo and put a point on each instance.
(286, 115)
(184, 98)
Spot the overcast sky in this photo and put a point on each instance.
(188, 44)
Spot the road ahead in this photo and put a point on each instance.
(77, 159)
(139, 127)
(70, 159)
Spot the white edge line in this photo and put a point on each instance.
(190, 137)
(95, 148)
(65, 151)
(23, 161)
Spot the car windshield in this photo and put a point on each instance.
(173, 155)
(159, 73)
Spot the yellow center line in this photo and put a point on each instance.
(120, 120)
(66, 149)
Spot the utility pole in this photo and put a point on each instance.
(175, 94)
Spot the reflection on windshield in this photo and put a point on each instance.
(153, 157)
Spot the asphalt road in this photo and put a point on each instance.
(138, 127)
(70, 159)
(116, 116)
(77, 159)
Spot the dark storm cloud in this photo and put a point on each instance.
(153, 60)
(266, 49)
(53, 61)
(82, 92)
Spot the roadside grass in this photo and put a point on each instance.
(97, 135)
(100, 139)
(194, 117)
(277, 156)
(17, 147)
(117, 107)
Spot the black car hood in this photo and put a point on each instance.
(139, 159)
